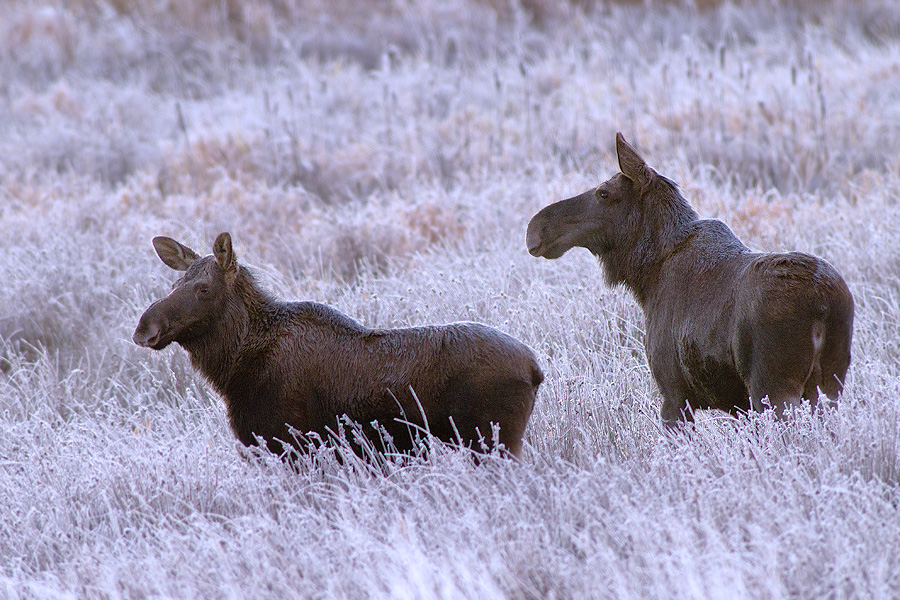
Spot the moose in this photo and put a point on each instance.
(726, 328)
(288, 368)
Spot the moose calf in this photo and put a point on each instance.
(305, 365)
(725, 327)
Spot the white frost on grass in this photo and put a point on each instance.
(387, 164)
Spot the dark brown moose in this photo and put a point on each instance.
(307, 366)
(726, 328)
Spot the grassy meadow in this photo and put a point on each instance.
(385, 158)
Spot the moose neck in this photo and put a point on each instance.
(245, 311)
(663, 224)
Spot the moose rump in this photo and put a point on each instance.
(726, 327)
(760, 329)
(305, 366)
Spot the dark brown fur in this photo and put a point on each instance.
(306, 365)
(725, 327)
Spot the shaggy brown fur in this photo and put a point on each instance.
(306, 365)
(725, 327)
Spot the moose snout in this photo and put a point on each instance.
(534, 238)
(150, 329)
(146, 335)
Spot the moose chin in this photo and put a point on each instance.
(726, 327)
(303, 366)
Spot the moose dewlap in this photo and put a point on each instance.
(302, 365)
(726, 328)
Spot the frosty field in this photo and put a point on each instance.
(386, 161)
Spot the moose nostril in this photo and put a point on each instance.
(533, 238)
(145, 335)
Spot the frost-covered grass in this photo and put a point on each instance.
(386, 162)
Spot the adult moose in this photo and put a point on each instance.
(305, 365)
(726, 327)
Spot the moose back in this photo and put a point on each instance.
(726, 328)
(302, 365)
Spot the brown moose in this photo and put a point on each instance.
(726, 327)
(307, 366)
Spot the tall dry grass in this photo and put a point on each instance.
(386, 162)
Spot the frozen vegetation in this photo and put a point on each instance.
(385, 161)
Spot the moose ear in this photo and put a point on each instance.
(225, 255)
(632, 165)
(174, 255)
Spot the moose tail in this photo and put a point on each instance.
(814, 377)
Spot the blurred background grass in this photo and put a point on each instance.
(385, 158)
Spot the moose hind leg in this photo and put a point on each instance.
(811, 386)
(778, 399)
(787, 366)
(831, 359)
(675, 410)
(835, 361)
(777, 384)
(475, 408)
(515, 402)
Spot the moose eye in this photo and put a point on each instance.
(602, 194)
(202, 290)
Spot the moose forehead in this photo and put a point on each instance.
(617, 182)
(202, 268)
(663, 187)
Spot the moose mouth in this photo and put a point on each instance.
(536, 247)
(535, 241)
(159, 344)
(150, 339)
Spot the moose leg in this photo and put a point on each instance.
(832, 383)
(786, 365)
(470, 409)
(835, 361)
(811, 386)
(676, 407)
(675, 392)
(517, 398)
(776, 379)
(774, 389)
(819, 361)
(675, 412)
(827, 377)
